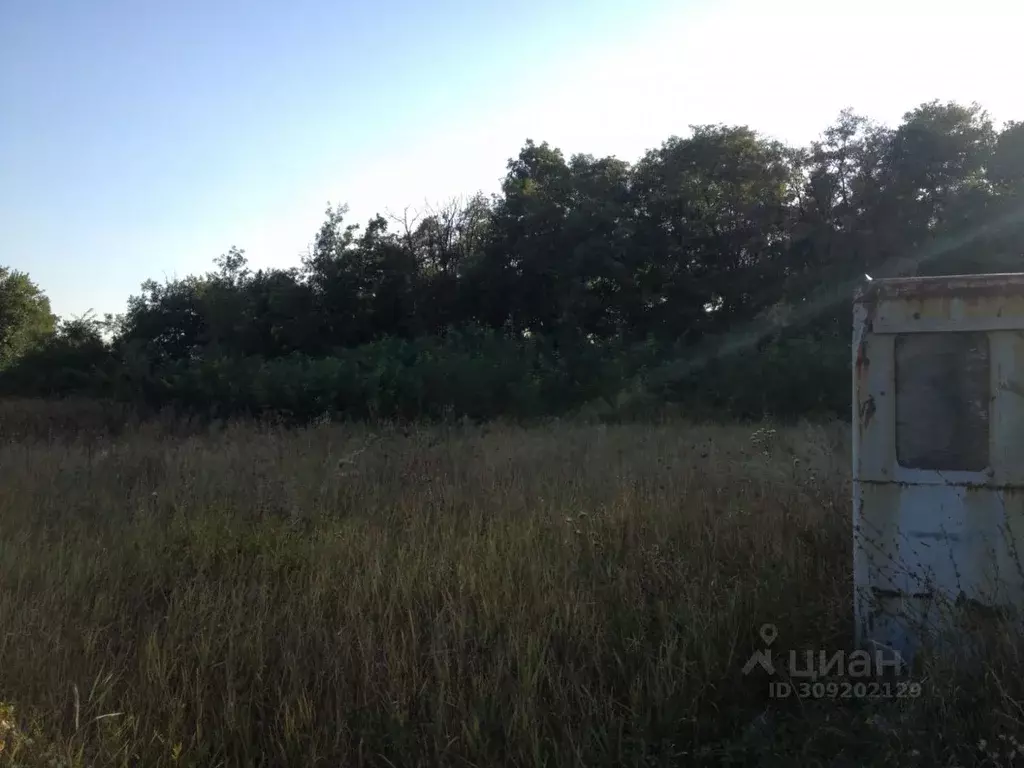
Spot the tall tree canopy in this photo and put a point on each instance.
(25, 316)
(583, 272)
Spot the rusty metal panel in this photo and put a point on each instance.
(998, 285)
(873, 401)
(938, 407)
(945, 304)
(945, 314)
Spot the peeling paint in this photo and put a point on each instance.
(967, 287)
(867, 411)
(862, 360)
(959, 303)
(884, 593)
(967, 485)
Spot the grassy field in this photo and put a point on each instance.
(563, 595)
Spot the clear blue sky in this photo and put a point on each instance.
(142, 140)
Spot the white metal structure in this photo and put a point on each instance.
(938, 476)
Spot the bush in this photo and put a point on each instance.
(469, 372)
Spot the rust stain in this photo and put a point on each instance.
(883, 594)
(1009, 491)
(923, 309)
(967, 287)
(862, 359)
(867, 411)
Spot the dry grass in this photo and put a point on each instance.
(561, 595)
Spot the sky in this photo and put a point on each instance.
(142, 140)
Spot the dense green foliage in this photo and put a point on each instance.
(715, 272)
(25, 317)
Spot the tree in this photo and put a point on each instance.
(723, 260)
(714, 216)
(25, 317)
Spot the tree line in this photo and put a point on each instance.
(716, 273)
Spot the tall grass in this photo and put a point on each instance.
(340, 595)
